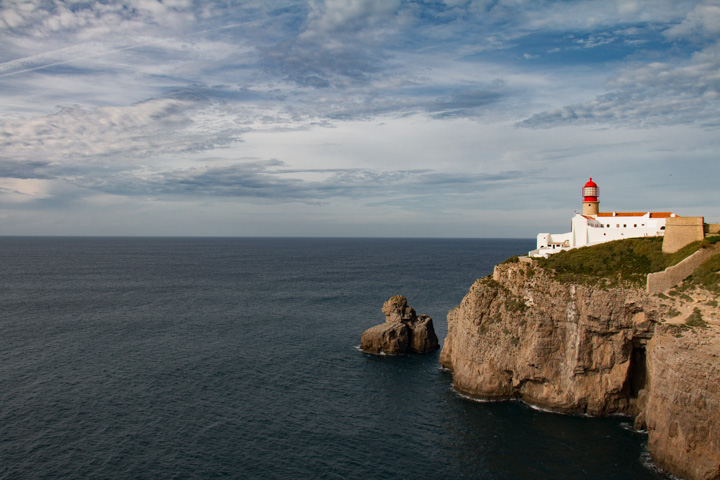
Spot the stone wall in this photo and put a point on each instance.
(671, 276)
(680, 231)
(712, 228)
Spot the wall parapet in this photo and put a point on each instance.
(661, 281)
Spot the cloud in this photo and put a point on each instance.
(44, 18)
(268, 181)
(702, 22)
(81, 133)
(24, 170)
(657, 93)
(340, 45)
(160, 101)
(347, 16)
(272, 181)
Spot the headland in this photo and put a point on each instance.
(576, 335)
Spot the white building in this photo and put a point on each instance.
(593, 227)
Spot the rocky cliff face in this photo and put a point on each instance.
(682, 415)
(581, 349)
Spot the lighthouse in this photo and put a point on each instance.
(591, 205)
(592, 227)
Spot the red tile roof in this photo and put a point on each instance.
(636, 214)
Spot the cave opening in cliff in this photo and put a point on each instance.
(638, 371)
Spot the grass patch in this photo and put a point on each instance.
(695, 319)
(515, 304)
(707, 275)
(617, 263)
(489, 281)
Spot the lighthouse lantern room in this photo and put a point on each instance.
(591, 205)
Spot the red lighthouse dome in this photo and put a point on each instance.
(590, 191)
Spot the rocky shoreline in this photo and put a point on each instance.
(590, 350)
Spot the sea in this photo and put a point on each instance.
(204, 358)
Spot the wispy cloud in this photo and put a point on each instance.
(179, 100)
(657, 93)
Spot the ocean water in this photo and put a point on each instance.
(238, 358)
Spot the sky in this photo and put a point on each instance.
(347, 118)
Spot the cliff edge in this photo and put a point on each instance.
(578, 348)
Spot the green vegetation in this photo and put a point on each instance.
(618, 263)
(695, 319)
(707, 275)
(686, 298)
(489, 281)
(515, 304)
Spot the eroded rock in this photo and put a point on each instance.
(402, 332)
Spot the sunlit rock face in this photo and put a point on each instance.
(682, 415)
(402, 332)
(591, 350)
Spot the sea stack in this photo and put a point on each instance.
(402, 332)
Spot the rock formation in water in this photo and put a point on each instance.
(582, 349)
(402, 332)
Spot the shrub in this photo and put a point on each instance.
(616, 263)
(707, 275)
(695, 319)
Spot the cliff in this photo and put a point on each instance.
(578, 348)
